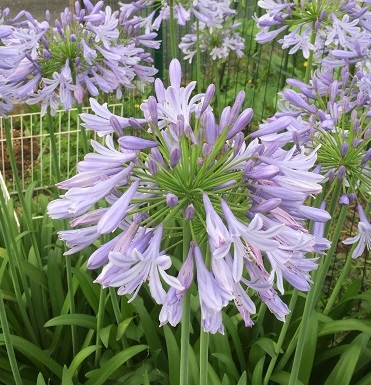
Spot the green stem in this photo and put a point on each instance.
(198, 57)
(343, 276)
(217, 90)
(185, 331)
(281, 338)
(85, 144)
(8, 343)
(308, 70)
(314, 295)
(339, 284)
(204, 357)
(72, 302)
(53, 147)
(173, 48)
(100, 317)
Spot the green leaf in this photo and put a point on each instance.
(35, 273)
(101, 375)
(173, 356)
(243, 379)
(66, 376)
(365, 380)
(90, 290)
(345, 367)
(268, 345)
(80, 357)
(283, 378)
(257, 376)
(35, 354)
(83, 320)
(122, 326)
(104, 335)
(309, 351)
(233, 332)
(149, 326)
(54, 277)
(213, 377)
(350, 324)
(40, 380)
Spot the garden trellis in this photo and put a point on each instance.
(31, 144)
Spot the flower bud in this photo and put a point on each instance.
(366, 157)
(344, 149)
(344, 200)
(171, 200)
(207, 98)
(242, 121)
(341, 172)
(175, 155)
(115, 124)
(190, 212)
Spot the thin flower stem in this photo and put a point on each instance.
(53, 145)
(204, 357)
(8, 343)
(184, 339)
(217, 90)
(339, 283)
(314, 294)
(308, 70)
(173, 48)
(117, 312)
(100, 315)
(84, 137)
(342, 277)
(72, 302)
(281, 338)
(198, 57)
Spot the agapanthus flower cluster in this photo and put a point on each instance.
(179, 171)
(217, 32)
(333, 111)
(217, 42)
(319, 26)
(9, 59)
(86, 52)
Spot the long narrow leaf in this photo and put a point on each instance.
(101, 375)
(345, 367)
(35, 354)
(80, 357)
(83, 320)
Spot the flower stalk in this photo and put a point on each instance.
(186, 312)
(313, 295)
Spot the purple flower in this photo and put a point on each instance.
(172, 308)
(243, 202)
(130, 268)
(363, 238)
(87, 51)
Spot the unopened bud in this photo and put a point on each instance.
(171, 200)
(190, 212)
(344, 149)
(341, 172)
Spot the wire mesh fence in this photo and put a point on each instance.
(31, 147)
